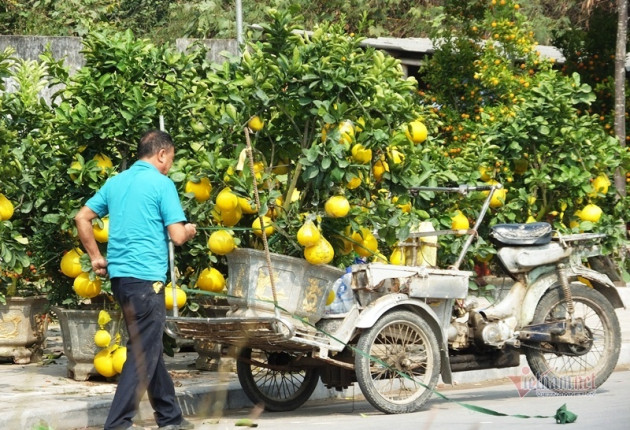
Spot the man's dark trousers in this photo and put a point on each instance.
(144, 370)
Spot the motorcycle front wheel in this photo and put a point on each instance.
(398, 362)
(573, 369)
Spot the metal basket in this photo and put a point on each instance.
(301, 288)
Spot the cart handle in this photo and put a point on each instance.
(462, 189)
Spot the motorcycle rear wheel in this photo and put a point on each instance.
(271, 380)
(569, 369)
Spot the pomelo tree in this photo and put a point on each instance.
(502, 107)
(100, 113)
(330, 119)
(23, 119)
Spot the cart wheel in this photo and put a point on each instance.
(399, 364)
(268, 378)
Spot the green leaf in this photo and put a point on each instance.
(310, 172)
(326, 161)
(21, 240)
(52, 218)
(178, 177)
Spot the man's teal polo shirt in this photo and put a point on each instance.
(141, 203)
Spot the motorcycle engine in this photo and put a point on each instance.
(493, 333)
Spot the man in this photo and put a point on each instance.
(144, 210)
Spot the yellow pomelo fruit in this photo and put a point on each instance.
(600, 185)
(416, 131)
(354, 183)
(379, 258)
(257, 227)
(246, 206)
(104, 162)
(346, 132)
(102, 338)
(76, 166)
(229, 172)
(320, 253)
(282, 168)
(85, 287)
(255, 123)
(231, 218)
(591, 212)
(406, 208)
(395, 156)
(200, 189)
(226, 200)
(366, 244)
(498, 198)
(119, 357)
(308, 234)
(484, 173)
(104, 364)
(346, 245)
(398, 257)
(379, 168)
(6, 208)
(337, 206)
(211, 279)
(259, 168)
(180, 297)
(221, 242)
(101, 234)
(459, 222)
(103, 317)
(70, 264)
(360, 154)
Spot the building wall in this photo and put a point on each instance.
(69, 50)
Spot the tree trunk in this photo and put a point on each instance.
(620, 88)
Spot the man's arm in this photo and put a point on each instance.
(83, 221)
(181, 233)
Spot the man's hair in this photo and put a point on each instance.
(152, 142)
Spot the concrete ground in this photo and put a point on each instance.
(42, 397)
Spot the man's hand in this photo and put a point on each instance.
(181, 233)
(99, 265)
(191, 229)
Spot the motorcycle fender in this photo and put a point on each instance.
(600, 282)
(379, 307)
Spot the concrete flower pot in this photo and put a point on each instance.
(78, 327)
(23, 326)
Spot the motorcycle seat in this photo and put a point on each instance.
(535, 233)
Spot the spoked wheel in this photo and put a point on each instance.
(400, 363)
(567, 368)
(268, 378)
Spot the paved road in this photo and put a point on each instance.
(608, 408)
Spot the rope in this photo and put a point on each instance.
(250, 157)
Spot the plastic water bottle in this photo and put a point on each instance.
(336, 307)
(345, 293)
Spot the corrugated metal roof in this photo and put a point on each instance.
(423, 45)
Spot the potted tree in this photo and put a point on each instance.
(100, 114)
(23, 303)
